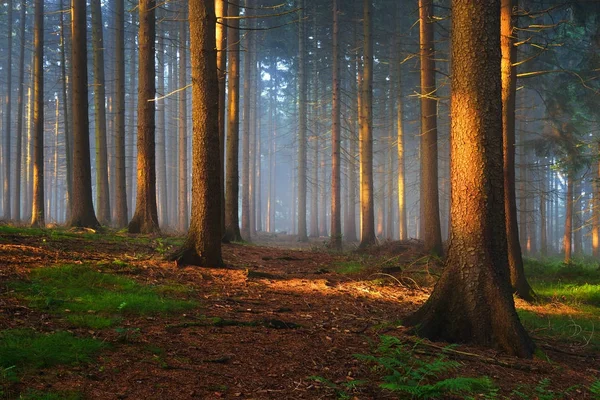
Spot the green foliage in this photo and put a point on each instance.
(37, 395)
(541, 391)
(92, 298)
(26, 349)
(349, 267)
(420, 378)
(595, 389)
(341, 389)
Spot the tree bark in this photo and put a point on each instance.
(232, 225)
(18, 154)
(102, 189)
(302, 235)
(568, 233)
(145, 219)
(472, 300)
(161, 140)
(37, 208)
(596, 209)
(368, 237)
(6, 154)
(248, 57)
(82, 208)
(430, 208)
(203, 244)
(336, 200)
(221, 7)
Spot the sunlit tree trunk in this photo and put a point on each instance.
(29, 162)
(543, 214)
(182, 124)
(120, 173)
(472, 301)
(37, 209)
(336, 199)
(380, 199)
(568, 233)
(314, 198)
(232, 225)
(82, 208)
(203, 244)
(6, 153)
(302, 119)
(20, 90)
(145, 219)
(173, 154)
(402, 220)
(523, 207)
(350, 223)
(131, 164)
(366, 134)
(55, 166)
(221, 39)
(248, 66)
(596, 209)
(577, 224)
(509, 87)
(429, 200)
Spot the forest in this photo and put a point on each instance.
(299, 199)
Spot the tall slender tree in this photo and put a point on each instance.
(221, 7)
(366, 133)
(248, 76)
(336, 200)
(183, 173)
(145, 219)
(82, 208)
(6, 154)
(430, 207)
(37, 208)
(203, 244)
(302, 120)
(102, 188)
(20, 103)
(232, 225)
(472, 301)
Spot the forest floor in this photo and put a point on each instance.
(282, 321)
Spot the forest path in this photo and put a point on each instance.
(261, 328)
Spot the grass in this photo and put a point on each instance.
(349, 267)
(89, 298)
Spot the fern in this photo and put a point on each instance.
(595, 389)
(407, 374)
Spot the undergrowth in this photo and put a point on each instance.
(89, 298)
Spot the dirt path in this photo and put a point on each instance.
(277, 317)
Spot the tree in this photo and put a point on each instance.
(6, 156)
(66, 115)
(19, 144)
(472, 301)
(568, 233)
(232, 225)
(145, 219)
(120, 173)
(336, 201)
(82, 207)
(302, 234)
(366, 133)
(430, 207)
(183, 174)
(248, 76)
(221, 7)
(203, 244)
(102, 189)
(509, 88)
(37, 209)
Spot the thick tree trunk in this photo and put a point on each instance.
(366, 134)
(203, 244)
(145, 219)
(568, 233)
(120, 173)
(232, 224)
(182, 125)
(102, 189)
(336, 199)
(6, 153)
(509, 87)
(472, 301)
(37, 208)
(221, 7)
(430, 207)
(21, 88)
(82, 208)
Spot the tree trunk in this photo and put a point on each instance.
(577, 224)
(350, 223)
(161, 132)
(221, 7)
(18, 155)
(402, 221)
(203, 244)
(314, 202)
(596, 209)
(131, 167)
(232, 225)
(336, 200)
(6, 154)
(145, 219)
(430, 207)
(37, 208)
(82, 208)
(543, 214)
(366, 134)
(509, 86)
(102, 189)
(248, 56)
(183, 174)
(120, 173)
(472, 301)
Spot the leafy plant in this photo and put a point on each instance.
(339, 389)
(419, 378)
